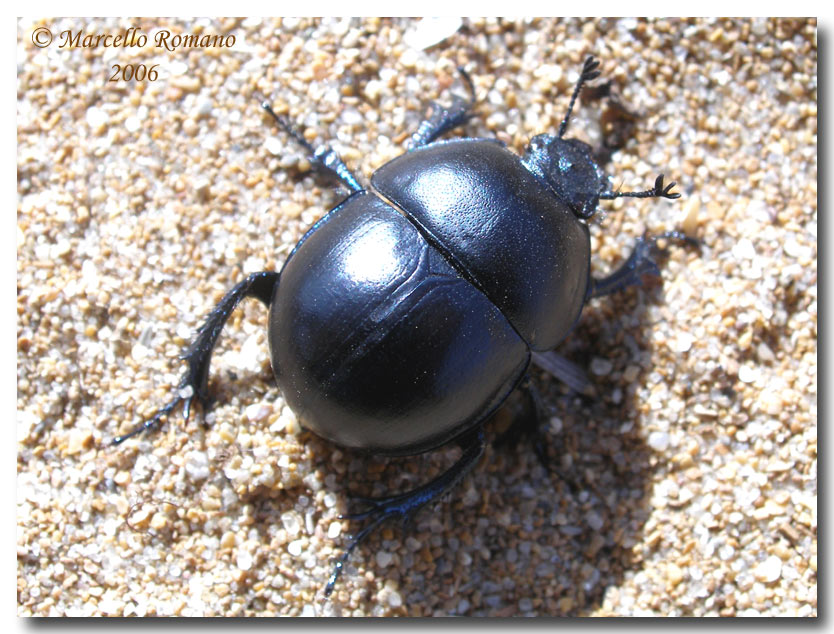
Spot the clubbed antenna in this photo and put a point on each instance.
(658, 191)
(589, 72)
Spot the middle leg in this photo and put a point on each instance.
(324, 157)
(443, 119)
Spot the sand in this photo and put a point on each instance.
(688, 485)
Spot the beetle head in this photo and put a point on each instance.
(568, 168)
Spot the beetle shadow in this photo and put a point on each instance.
(516, 537)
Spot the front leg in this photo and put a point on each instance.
(639, 263)
(194, 382)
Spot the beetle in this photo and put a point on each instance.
(408, 313)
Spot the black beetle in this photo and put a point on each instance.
(407, 314)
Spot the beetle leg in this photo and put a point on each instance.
(405, 505)
(441, 119)
(325, 157)
(530, 424)
(194, 382)
(638, 264)
(566, 371)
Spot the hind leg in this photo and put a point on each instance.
(194, 382)
(405, 505)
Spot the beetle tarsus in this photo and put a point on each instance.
(405, 505)
(324, 158)
(150, 423)
(340, 563)
(442, 120)
(194, 382)
(189, 385)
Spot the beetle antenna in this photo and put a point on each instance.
(658, 191)
(589, 72)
